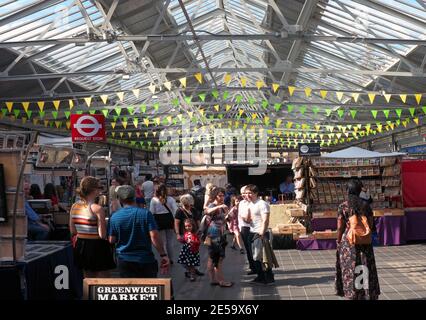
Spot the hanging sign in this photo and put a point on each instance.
(309, 149)
(87, 128)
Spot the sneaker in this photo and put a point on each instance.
(199, 273)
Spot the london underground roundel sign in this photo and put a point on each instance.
(87, 128)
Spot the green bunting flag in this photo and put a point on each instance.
(398, 122)
(188, 99)
(55, 114)
(131, 110)
(374, 113)
(175, 102)
(41, 114)
(16, 112)
(67, 114)
(220, 116)
(290, 108)
(252, 101)
(302, 109)
(340, 112)
(328, 112)
(156, 106)
(202, 96)
(277, 106)
(143, 108)
(117, 111)
(29, 113)
(315, 110)
(238, 98)
(386, 113)
(265, 104)
(105, 112)
(136, 122)
(412, 111)
(92, 111)
(398, 112)
(115, 118)
(353, 113)
(215, 94)
(4, 111)
(424, 109)
(225, 95)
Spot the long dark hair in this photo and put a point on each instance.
(49, 191)
(161, 193)
(35, 191)
(354, 201)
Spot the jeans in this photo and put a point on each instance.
(129, 269)
(167, 237)
(37, 232)
(247, 237)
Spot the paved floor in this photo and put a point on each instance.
(309, 275)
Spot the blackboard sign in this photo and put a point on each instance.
(109, 289)
(175, 183)
(309, 149)
(175, 170)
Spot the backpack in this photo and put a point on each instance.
(198, 196)
(359, 230)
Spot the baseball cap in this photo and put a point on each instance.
(125, 192)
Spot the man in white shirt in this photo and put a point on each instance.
(148, 189)
(259, 214)
(244, 225)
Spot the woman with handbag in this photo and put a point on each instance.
(216, 238)
(164, 207)
(356, 273)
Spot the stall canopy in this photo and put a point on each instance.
(355, 152)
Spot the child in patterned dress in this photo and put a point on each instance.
(190, 253)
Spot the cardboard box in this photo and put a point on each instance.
(296, 212)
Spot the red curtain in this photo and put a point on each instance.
(414, 183)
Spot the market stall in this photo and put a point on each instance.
(380, 175)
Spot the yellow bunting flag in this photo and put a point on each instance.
(275, 87)
(68, 124)
(121, 134)
(416, 121)
(113, 134)
(40, 105)
(291, 90)
(278, 122)
(404, 123)
(227, 78)
(88, 101)
(146, 122)
(317, 127)
(190, 113)
(355, 96)
(183, 82)
(58, 124)
(323, 93)
(339, 95)
(113, 125)
(35, 121)
(120, 96)
(403, 97)
(138, 134)
(169, 119)
(168, 85)
(46, 123)
(308, 92)
(151, 88)
(240, 112)
(179, 117)
(243, 81)
(216, 107)
(71, 104)
(154, 133)
(228, 107)
(387, 97)
(371, 96)
(259, 84)
(25, 105)
(56, 104)
(104, 98)
(418, 97)
(379, 127)
(9, 106)
(199, 77)
(136, 92)
(129, 134)
(253, 115)
(202, 112)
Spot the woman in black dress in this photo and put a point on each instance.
(356, 273)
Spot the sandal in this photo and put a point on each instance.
(214, 283)
(225, 284)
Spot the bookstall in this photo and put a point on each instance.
(380, 175)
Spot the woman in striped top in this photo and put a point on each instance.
(92, 251)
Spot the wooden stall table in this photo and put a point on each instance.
(324, 220)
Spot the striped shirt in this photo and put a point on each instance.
(85, 220)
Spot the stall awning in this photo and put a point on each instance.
(355, 152)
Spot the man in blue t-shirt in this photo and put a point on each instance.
(133, 230)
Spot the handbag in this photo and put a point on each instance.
(165, 220)
(359, 230)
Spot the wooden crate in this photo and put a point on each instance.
(328, 234)
(388, 212)
(11, 164)
(278, 215)
(6, 248)
(21, 226)
(296, 212)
